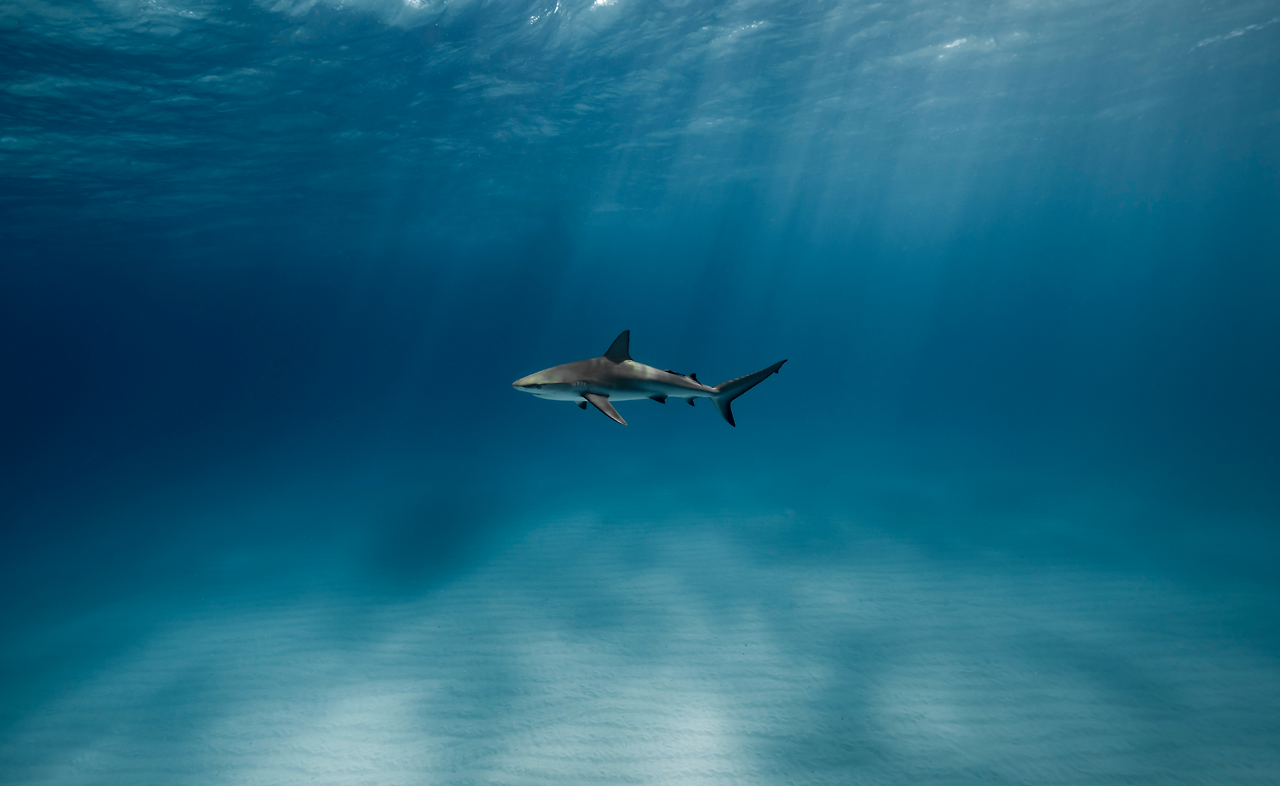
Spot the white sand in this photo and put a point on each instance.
(595, 651)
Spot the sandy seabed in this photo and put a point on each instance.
(591, 651)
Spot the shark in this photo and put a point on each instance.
(613, 377)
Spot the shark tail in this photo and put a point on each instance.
(726, 392)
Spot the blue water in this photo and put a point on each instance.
(272, 513)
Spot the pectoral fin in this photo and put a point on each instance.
(582, 405)
(602, 403)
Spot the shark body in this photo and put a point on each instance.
(615, 377)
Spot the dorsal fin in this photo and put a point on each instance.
(620, 349)
(694, 377)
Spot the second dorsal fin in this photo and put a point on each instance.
(620, 349)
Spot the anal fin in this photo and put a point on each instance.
(602, 403)
(690, 401)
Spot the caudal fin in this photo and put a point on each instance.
(726, 392)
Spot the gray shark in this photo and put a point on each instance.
(616, 377)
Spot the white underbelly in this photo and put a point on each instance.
(628, 395)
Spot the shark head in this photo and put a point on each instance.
(544, 384)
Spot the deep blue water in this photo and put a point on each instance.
(272, 513)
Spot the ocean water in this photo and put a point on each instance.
(271, 512)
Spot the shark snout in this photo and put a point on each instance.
(526, 383)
